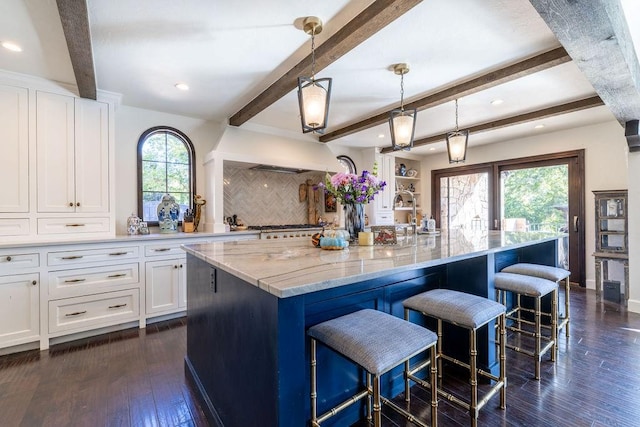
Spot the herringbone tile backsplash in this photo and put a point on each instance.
(267, 198)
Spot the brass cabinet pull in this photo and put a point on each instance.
(74, 225)
(77, 313)
(72, 257)
(9, 258)
(78, 204)
(118, 306)
(175, 266)
(113, 276)
(34, 283)
(162, 249)
(70, 204)
(74, 280)
(117, 253)
(180, 265)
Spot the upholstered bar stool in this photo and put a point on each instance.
(470, 312)
(534, 287)
(554, 274)
(377, 342)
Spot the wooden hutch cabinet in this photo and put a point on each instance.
(612, 253)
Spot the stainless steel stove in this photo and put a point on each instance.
(287, 231)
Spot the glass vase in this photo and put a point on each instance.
(354, 219)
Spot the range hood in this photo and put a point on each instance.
(280, 169)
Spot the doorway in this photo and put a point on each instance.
(540, 193)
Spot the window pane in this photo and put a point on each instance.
(177, 178)
(176, 150)
(154, 177)
(154, 148)
(150, 202)
(465, 201)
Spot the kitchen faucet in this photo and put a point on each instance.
(413, 205)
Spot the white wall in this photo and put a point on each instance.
(634, 231)
(130, 123)
(605, 169)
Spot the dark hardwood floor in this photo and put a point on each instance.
(136, 378)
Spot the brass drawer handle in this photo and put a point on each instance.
(72, 257)
(34, 283)
(118, 306)
(9, 258)
(113, 276)
(77, 313)
(118, 253)
(74, 280)
(75, 225)
(162, 249)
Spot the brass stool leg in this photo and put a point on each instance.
(440, 351)
(554, 324)
(473, 407)
(407, 367)
(503, 360)
(566, 307)
(377, 416)
(519, 311)
(369, 396)
(537, 336)
(314, 415)
(434, 388)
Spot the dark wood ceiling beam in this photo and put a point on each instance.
(75, 23)
(371, 20)
(596, 35)
(556, 110)
(518, 70)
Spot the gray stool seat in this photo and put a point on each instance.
(524, 285)
(374, 340)
(459, 308)
(554, 274)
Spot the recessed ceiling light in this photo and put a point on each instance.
(381, 135)
(11, 46)
(432, 148)
(182, 86)
(540, 126)
(497, 102)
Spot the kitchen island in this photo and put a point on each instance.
(250, 303)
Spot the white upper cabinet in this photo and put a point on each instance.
(14, 162)
(72, 154)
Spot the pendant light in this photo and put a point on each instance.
(457, 143)
(313, 94)
(402, 122)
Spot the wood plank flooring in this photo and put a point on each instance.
(136, 378)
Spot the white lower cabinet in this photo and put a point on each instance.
(19, 309)
(165, 283)
(93, 311)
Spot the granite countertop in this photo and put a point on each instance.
(295, 267)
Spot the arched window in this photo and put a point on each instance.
(165, 165)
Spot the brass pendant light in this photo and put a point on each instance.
(457, 143)
(402, 122)
(313, 94)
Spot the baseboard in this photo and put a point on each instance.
(633, 305)
(198, 389)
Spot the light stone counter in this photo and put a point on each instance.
(289, 268)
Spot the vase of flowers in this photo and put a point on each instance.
(353, 192)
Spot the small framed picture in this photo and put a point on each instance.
(384, 235)
(330, 203)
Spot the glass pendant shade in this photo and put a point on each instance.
(457, 145)
(314, 96)
(403, 127)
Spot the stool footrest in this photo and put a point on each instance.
(466, 365)
(341, 406)
(401, 411)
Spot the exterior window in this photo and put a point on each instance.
(165, 165)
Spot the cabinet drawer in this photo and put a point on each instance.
(14, 227)
(85, 256)
(84, 281)
(72, 225)
(10, 262)
(94, 311)
(164, 249)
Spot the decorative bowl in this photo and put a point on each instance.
(412, 173)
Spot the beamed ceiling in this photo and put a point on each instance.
(561, 64)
